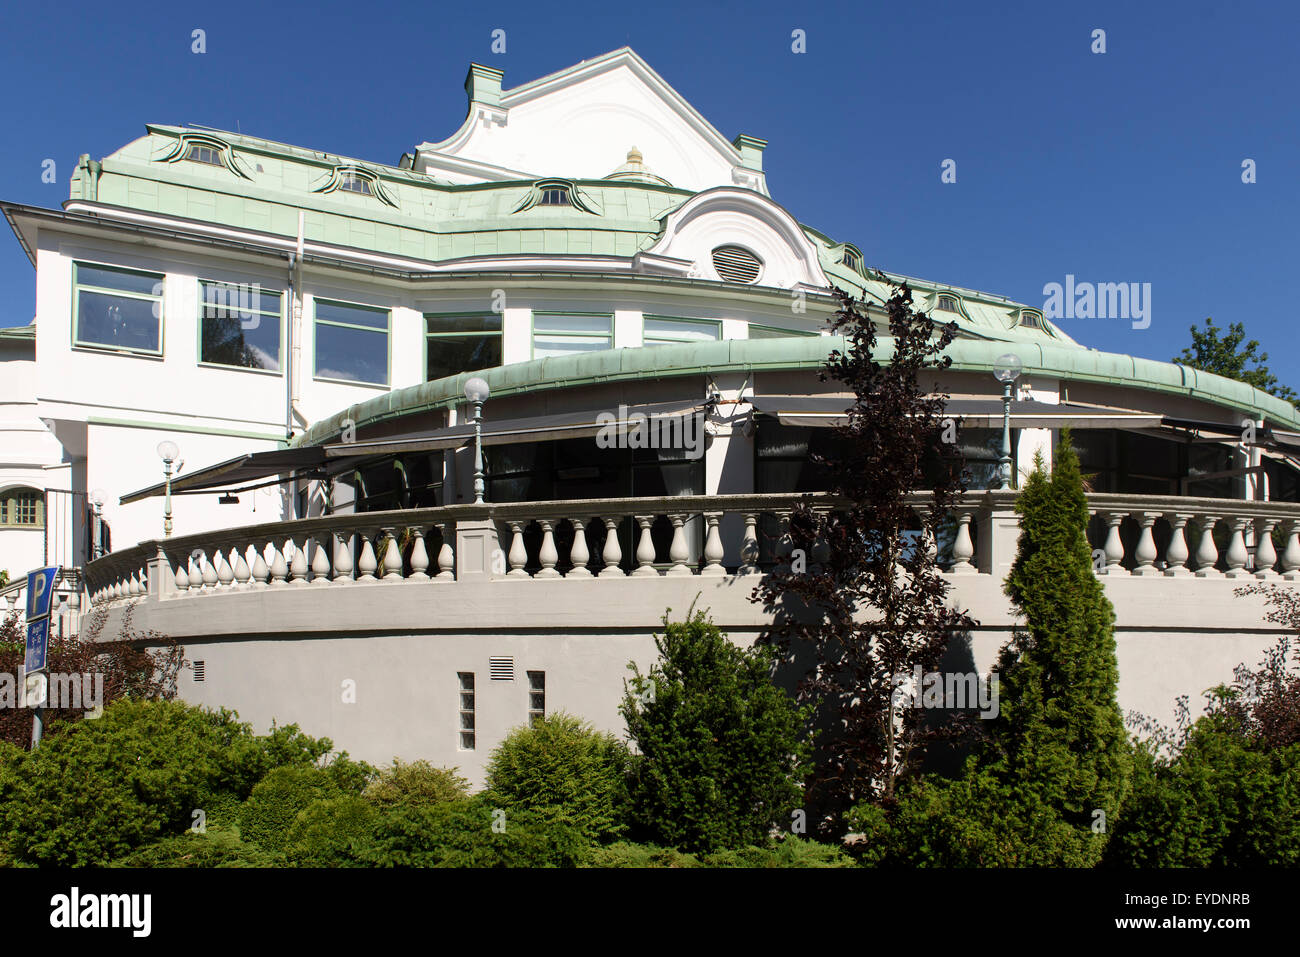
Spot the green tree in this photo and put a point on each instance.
(1051, 771)
(722, 748)
(563, 771)
(1229, 355)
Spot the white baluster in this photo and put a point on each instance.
(749, 546)
(342, 559)
(297, 564)
(320, 562)
(963, 549)
(1176, 554)
(579, 554)
(279, 567)
(1291, 553)
(209, 574)
(182, 579)
(612, 551)
(419, 556)
(518, 553)
(1114, 547)
(367, 564)
(547, 555)
(645, 549)
(1145, 554)
(242, 574)
(1207, 553)
(261, 571)
(1236, 555)
(446, 555)
(678, 553)
(392, 556)
(713, 551)
(1265, 553)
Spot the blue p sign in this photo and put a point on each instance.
(40, 590)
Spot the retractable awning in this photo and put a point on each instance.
(242, 468)
(540, 428)
(830, 411)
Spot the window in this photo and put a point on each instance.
(736, 264)
(852, 258)
(240, 325)
(554, 196)
(466, 710)
(117, 308)
(22, 507)
(557, 334)
(352, 182)
(461, 343)
(351, 343)
(536, 697)
(947, 304)
(773, 332)
(661, 330)
(1030, 318)
(198, 153)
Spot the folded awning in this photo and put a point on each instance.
(831, 411)
(242, 468)
(539, 428)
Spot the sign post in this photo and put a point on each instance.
(40, 595)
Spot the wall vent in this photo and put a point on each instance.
(501, 669)
(736, 264)
(198, 670)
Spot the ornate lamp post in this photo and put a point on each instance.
(1006, 370)
(97, 543)
(477, 391)
(168, 452)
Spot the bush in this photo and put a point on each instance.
(722, 748)
(563, 771)
(104, 787)
(415, 785)
(461, 834)
(790, 852)
(276, 800)
(627, 854)
(336, 832)
(218, 847)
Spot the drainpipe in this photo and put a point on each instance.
(293, 343)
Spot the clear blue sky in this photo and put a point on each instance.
(1115, 167)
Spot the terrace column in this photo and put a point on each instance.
(162, 580)
(999, 533)
(1176, 554)
(476, 541)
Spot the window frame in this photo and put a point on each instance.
(532, 329)
(279, 349)
(804, 333)
(461, 731)
(160, 300)
(715, 324)
(218, 154)
(536, 714)
(8, 510)
(315, 340)
(498, 334)
(956, 301)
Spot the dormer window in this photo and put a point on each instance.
(948, 304)
(557, 192)
(198, 153)
(352, 182)
(852, 258)
(555, 196)
(1031, 319)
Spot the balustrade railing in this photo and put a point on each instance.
(704, 536)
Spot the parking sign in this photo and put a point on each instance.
(38, 643)
(40, 592)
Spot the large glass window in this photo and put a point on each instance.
(664, 330)
(556, 334)
(239, 325)
(117, 308)
(1133, 464)
(461, 343)
(351, 342)
(773, 332)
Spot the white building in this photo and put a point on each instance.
(302, 325)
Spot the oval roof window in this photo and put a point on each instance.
(736, 264)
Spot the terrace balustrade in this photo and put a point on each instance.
(1131, 535)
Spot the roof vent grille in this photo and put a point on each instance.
(736, 264)
(501, 669)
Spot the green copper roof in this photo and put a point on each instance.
(741, 355)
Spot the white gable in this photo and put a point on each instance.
(580, 124)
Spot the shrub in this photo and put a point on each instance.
(627, 854)
(103, 787)
(276, 800)
(415, 785)
(461, 834)
(217, 847)
(722, 747)
(790, 852)
(336, 832)
(563, 771)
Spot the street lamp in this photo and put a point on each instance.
(97, 543)
(168, 452)
(1006, 369)
(477, 391)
